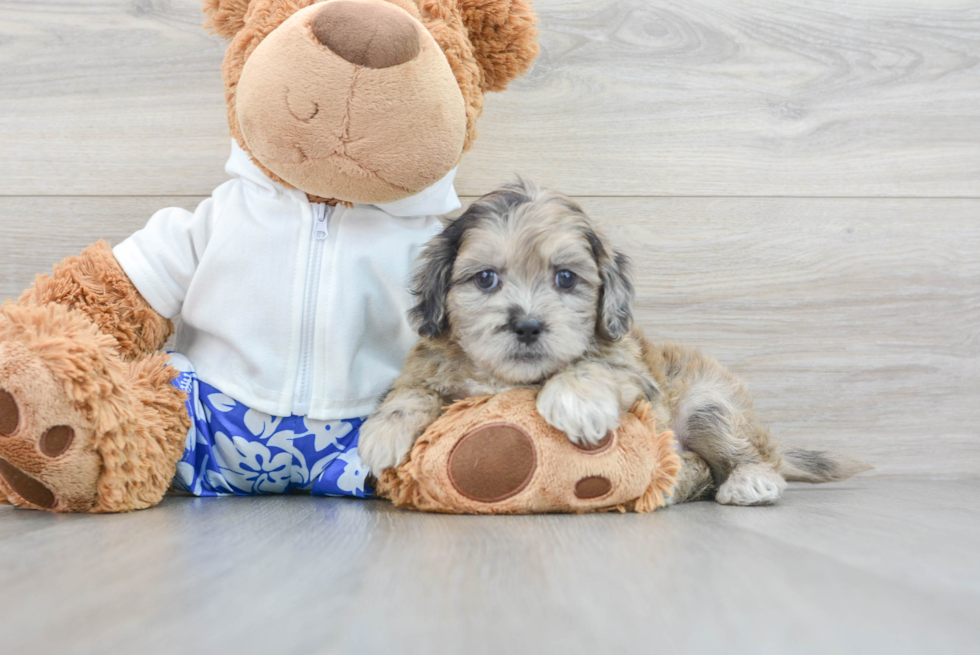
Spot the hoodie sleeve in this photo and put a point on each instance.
(161, 258)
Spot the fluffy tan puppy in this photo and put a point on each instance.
(523, 290)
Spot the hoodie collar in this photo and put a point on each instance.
(435, 200)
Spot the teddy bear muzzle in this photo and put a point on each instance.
(352, 100)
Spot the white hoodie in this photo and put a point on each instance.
(286, 306)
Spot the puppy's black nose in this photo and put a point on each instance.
(527, 330)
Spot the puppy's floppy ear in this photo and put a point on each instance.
(434, 276)
(617, 295)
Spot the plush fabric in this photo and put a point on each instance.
(127, 422)
(373, 36)
(496, 455)
(390, 132)
(485, 43)
(95, 285)
(89, 418)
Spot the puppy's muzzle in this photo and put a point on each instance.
(528, 330)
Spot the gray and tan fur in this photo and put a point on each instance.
(524, 290)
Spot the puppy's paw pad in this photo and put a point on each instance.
(751, 485)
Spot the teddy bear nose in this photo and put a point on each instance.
(366, 34)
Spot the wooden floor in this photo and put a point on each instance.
(867, 566)
(799, 186)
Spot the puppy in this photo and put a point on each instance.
(523, 290)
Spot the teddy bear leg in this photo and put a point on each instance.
(139, 461)
(81, 430)
(61, 383)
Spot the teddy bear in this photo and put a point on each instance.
(348, 119)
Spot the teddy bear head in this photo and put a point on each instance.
(365, 101)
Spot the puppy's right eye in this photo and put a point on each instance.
(487, 280)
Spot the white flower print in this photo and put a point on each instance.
(261, 424)
(218, 483)
(320, 466)
(232, 449)
(284, 441)
(185, 477)
(352, 479)
(221, 402)
(327, 433)
(250, 467)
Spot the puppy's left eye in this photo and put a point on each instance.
(487, 280)
(565, 280)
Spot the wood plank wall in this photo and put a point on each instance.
(799, 183)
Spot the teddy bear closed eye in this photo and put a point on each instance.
(348, 119)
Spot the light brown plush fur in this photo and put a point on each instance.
(89, 419)
(129, 422)
(486, 43)
(354, 132)
(94, 285)
(639, 463)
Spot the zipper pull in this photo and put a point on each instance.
(320, 222)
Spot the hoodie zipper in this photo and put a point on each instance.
(303, 389)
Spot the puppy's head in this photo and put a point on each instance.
(524, 283)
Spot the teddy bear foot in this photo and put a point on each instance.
(44, 439)
(497, 455)
(81, 430)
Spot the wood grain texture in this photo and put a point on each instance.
(855, 321)
(629, 97)
(867, 566)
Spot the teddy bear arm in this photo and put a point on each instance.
(95, 285)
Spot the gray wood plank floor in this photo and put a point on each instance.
(799, 186)
(867, 566)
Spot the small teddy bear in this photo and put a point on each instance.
(348, 119)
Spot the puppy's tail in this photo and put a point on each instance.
(801, 465)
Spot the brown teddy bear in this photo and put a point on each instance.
(348, 118)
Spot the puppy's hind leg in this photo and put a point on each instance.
(694, 481)
(736, 447)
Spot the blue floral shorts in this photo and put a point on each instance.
(231, 449)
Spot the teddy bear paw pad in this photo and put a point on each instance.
(492, 463)
(44, 460)
(9, 414)
(594, 486)
(25, 487)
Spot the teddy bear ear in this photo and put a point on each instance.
(225, 17)
(504, 36)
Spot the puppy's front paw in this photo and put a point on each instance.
(751, 485)
(584, 414)
(383, 443)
